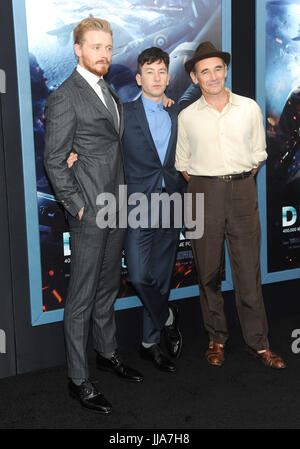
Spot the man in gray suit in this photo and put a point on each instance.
(85, 115)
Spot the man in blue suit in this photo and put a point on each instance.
(149, 142)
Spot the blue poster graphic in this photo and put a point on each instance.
(282, 122)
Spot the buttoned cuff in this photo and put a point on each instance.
(73, 205)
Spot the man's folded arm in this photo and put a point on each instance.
(60, 130)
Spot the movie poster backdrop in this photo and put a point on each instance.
(282, 86)
(177, 26)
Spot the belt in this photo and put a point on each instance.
(229, 178)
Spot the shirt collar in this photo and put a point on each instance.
(151, 105)
(233, 100)
(90, 77)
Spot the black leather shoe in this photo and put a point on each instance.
(172, 335)
(158, 358)
(116, 365)
(90, 397)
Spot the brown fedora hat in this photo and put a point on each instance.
(203, 51)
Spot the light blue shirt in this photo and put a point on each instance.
(160, 127)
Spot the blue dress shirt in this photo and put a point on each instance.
(160, 127)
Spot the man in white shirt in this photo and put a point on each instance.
(221, 144)
(85, 116)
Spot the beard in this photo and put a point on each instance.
(99, 68)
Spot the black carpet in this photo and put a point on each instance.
(242, 394)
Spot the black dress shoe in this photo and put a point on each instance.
(116, 365)
(172, 335)
(158, 358)
(90, 397)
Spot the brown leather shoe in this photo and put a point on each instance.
(268, 357)
(215, 353)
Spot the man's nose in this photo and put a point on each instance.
(213, 76)
(104, 53)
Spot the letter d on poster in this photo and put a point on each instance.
(2, 82)
(2, 342)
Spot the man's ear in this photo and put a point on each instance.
(77, 50)
(138, 79)
(194, 78)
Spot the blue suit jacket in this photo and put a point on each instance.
(143, 168)
(150, 253)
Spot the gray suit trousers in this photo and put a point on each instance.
(93, 289)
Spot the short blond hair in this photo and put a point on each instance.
(90, 24)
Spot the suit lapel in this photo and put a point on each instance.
(143, 122)
(120, 108)
(93, 98)
(173, 135)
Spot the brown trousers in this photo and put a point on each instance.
(231, 213)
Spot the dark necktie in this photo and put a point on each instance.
(109, 102)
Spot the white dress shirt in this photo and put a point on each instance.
(93, 80)
(213, 143)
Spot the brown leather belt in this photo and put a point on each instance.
(229, 178)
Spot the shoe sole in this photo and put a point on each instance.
(180, 347)
(156, 366)
(176, 356)
(254, 354)
(215, 364)
(89, 409)
(109, 370)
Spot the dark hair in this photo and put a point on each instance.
(151, 55)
